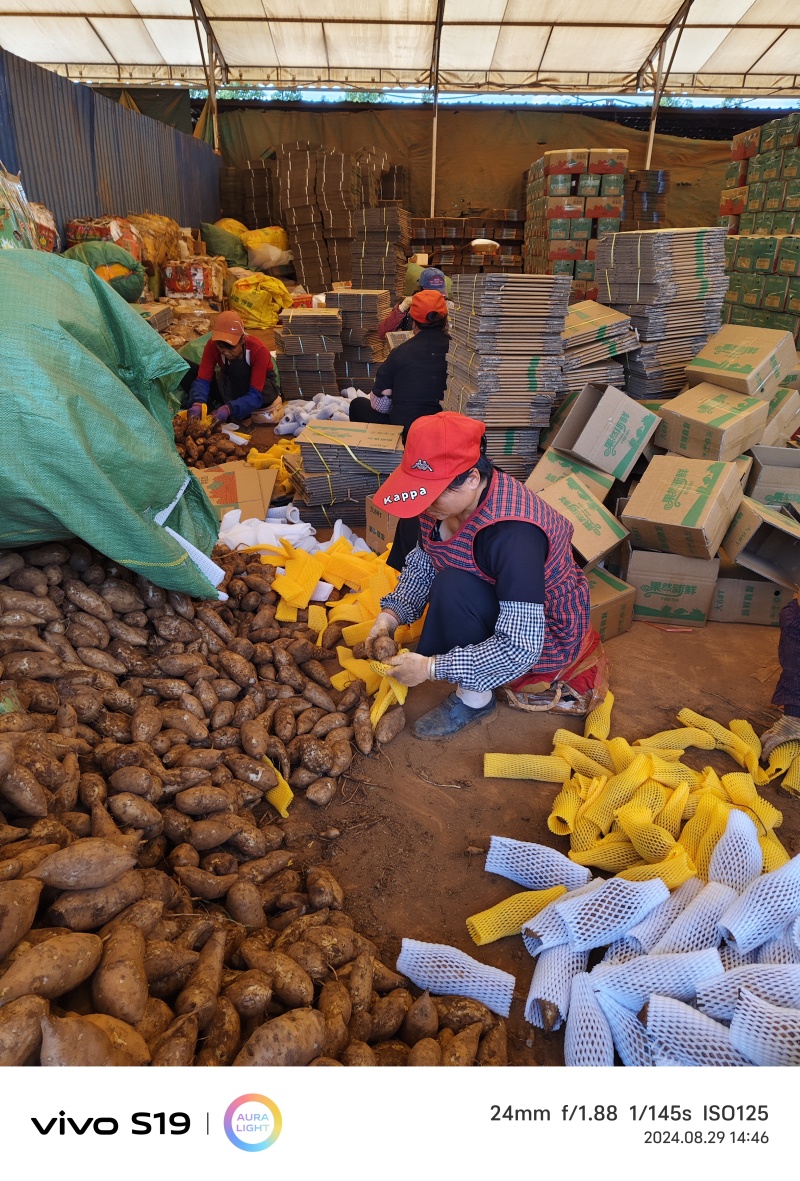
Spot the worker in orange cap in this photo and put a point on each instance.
(236, 376)
(411, 381)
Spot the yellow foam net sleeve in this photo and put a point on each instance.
(671, 815)
(317, 619)
(671, 739)
(622, 753)
(390, 693)
(356, 633)
(612, 853)
(565, 809)
(674, 870)
(588, 746)
(508, 917)
(773, 851)
(297, 585)
(792, 781)
(579, 761)
(357, 669)
(652, 843)
(281, 795)
(285, 613)
(598, 721)
(741, 791)
(710, 818)
(545, 768)
(783, 758)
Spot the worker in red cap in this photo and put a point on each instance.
(507, 603)
(411, 382)
(236, 376)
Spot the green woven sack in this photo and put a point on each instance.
(222, 242)
(87, 447)
(99, 255)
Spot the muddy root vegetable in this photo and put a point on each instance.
(291, 1040)
(52, 968)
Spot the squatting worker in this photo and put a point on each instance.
(411, 382)
(787, 691)
(399, 318)
(507, 604)
(236, 375)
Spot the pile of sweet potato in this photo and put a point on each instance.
(202, 442)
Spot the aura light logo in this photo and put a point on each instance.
(253, 1123)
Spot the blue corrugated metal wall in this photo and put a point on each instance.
(83, 155)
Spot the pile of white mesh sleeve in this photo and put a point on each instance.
(676, 974)
(588, 1040)
(766, 1034)
(446, 971)
(777, 983)
(689, 1037)
(737, 857)
(536, 867)
(697, 926)
(548, 1000)
(764, 908)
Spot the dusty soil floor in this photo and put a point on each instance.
(397, 836)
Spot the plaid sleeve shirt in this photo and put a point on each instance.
(410, 597)
(511, 651)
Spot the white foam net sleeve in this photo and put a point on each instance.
(648, 932)
(547, 928)
(733, 958)
(689, 1037)
(547, 1005)
(447, 971)
(764, 909)
(622, 950)
(784, 948)
(698, 925)
(587, 1040)
(676, 974)
(765, 1033)
(536, 867)
(737, 858)
(630, 1036)
(597, 919)
(777, 983)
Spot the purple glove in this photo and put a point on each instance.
(195, 411)
(222, 414)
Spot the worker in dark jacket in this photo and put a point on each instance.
(399, 318)
(507, 605)
(411, 382)
(236, 375)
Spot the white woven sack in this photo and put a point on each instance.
(622, 950)
(630, 1036)
(737, 859)
(698, 925)
(536, 867)
(784, 948)
(547, 1005)
(765, 1033)
(689, 1037)
(676, 974)
(764, 909)
(587, 1040)
(547, 928)
(648, 932)
(597, 919)
(447, 971)
(777, 983)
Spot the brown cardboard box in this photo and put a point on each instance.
(238, 485)
(672, 589)
(783, 419)
(748, 360)
(596, 531)
(381, 527)
(553, 465)
(606, 429)
(743, 465)
(611, 603)
(767, 541)
(683, 506)
(747, 600)
(775, 476)
(711, 422)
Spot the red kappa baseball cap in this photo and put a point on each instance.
(439, 448)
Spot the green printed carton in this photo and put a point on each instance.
(596, 532)
(712, 423)
(672, 589)
(683, 506)
(606, 429)
(747, 360)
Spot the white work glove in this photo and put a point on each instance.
(404, 305)
(411, 669)
(786, 729)
(386, 624)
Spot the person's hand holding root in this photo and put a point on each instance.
(382, 635)
(411, 669)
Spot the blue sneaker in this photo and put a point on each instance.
(451, 717)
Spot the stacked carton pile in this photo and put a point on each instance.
(447, 241)
(307, 344)
(762, 183)
(339, 466)
(338, 193)
(380, 249)
(297, 174)
(396, 186)
(645, 199)
(373, 165)
(695, 546)
(259, 194)
(593, 337)
(764, 273)
(362, 349)
(573, 197)
(672, 284)
(504, 365)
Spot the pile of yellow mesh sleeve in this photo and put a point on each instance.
(276, 457)
(637, 811)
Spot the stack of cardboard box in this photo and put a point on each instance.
(339, 466)
(573, 197)
(362, 310)
(381, 248)
(307, 344)
(447, 241)
(645, 199)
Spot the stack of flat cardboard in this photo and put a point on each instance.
(338, 192)
(504, 365)
(593, 336)
(381, 248)
(297, 173)
(362, 310)
(672, 284)
(307, 344)
(260, 206)
(340, 465)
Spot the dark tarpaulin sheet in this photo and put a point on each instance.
(482, 154)
(173, 107)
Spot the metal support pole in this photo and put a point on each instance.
(212, 92)
(433, 151)
(656, 101)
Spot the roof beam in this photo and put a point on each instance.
(198, 12)
(451, 24)
(678, 21)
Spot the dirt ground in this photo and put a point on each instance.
(402, 837)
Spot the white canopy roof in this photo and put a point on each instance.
(745, 47)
